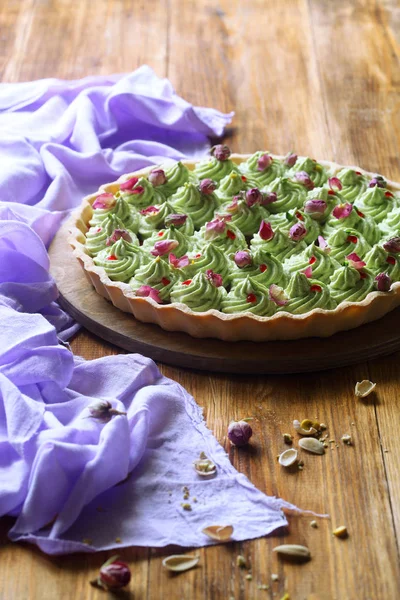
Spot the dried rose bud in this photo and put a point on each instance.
(335, 184)
(315, 208)
(239, 433)
(268, 198)
(308, 272)
(103, 411)
(243, 258)
(377, 181)
(383, 282)
(297, 232)
(221, 152)
(214, 278)
(290, 159)
(157, 177)
(150, 210)
(104, 201)
(164, 247)
(355, 261)
(304, 178)
(265, 232)
(392, 245)
(113, 575)
(207, 186)
(117, 235)
(214, 228)
(323, 244)
(178, 263)
(146, 291)
(253, 196)
(129, 184)
(264, 162)
(177, 220)
(342, 211)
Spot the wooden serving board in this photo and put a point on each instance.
(99, 316)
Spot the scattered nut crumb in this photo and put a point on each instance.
(263, 586)
(386, 450)
(285, 597)
(118, 540)
(186, 496)
(275, 577)
(194, 499)
(241, 561)
(346, 439)
(353, 423)
(287, 438)
(170, 493)
(249, 577)
(326, 445)
(314, 524)
(87, 541)
(186, 506)
(341, 532)
(322, 426)
(332, 441)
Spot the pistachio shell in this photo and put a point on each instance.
(288, 457)
(222, 533)
(293, 551)
(204, 467)
(341, 532)
(180, 562)
(364, 388)
(312, 445)
(301, 430)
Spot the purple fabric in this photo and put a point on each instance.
(72, 482)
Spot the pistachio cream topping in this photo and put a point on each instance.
(262, 236)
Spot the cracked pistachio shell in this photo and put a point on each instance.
(205, 467)
(180, 562)
(312, 445)
(293, 551)
(222, 533)
(288, 457)
(364, 388)
(301, 430)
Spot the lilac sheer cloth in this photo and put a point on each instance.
(73, 483)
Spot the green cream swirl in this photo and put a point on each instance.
(211, 257)
(390, 226)
(229, 186)
(376, 261)
(376, 204)
(364, 225)
(265, 269)
(291, 195)
(149, 196)
(199, 295)
(190, 201)
(121, 210)
(96, 237)
(177, 175)
(323, 267)
(240, 299)
(158, 274)
(317, 173)
(353, 184)
(152, 222)
(120, 260)
(280, 246)
(215, 169)
(170, 233)
(302, 299)
(246, 218)
(261, 178)
(230, 240)
(347, 285)
(341, 246)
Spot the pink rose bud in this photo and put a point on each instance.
(177, 220)
(315, 208)
(253, 196)
(113, 575)
(290, 159)
(178, 263)
(393, 245)
(150, 210)
(214, 278)
(277, 295)
(265, 232)
(264, 162)
(117, 235)
(342, 211)
(207, 186)
(383, 282)
(146, 291)
(377, 181)
(104, 201)
(214, 228)
(221, 152)
(355, 261)
(157, 177)
(297, 232)
(164, 247)
(268, 198)
(103, 411)
(304, 178)
(323, 244)
(239, 433)
(243, 258)
(308, 272)
(335, 184)
(129, 184)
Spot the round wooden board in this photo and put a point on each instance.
(91, 310)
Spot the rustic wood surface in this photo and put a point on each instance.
(317, 76)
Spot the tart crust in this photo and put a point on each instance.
(213, 323)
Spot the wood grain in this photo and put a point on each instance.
(322, 78)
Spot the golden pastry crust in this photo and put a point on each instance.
(213, 323)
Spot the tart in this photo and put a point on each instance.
(245, 247)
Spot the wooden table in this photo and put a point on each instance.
(321, 77)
